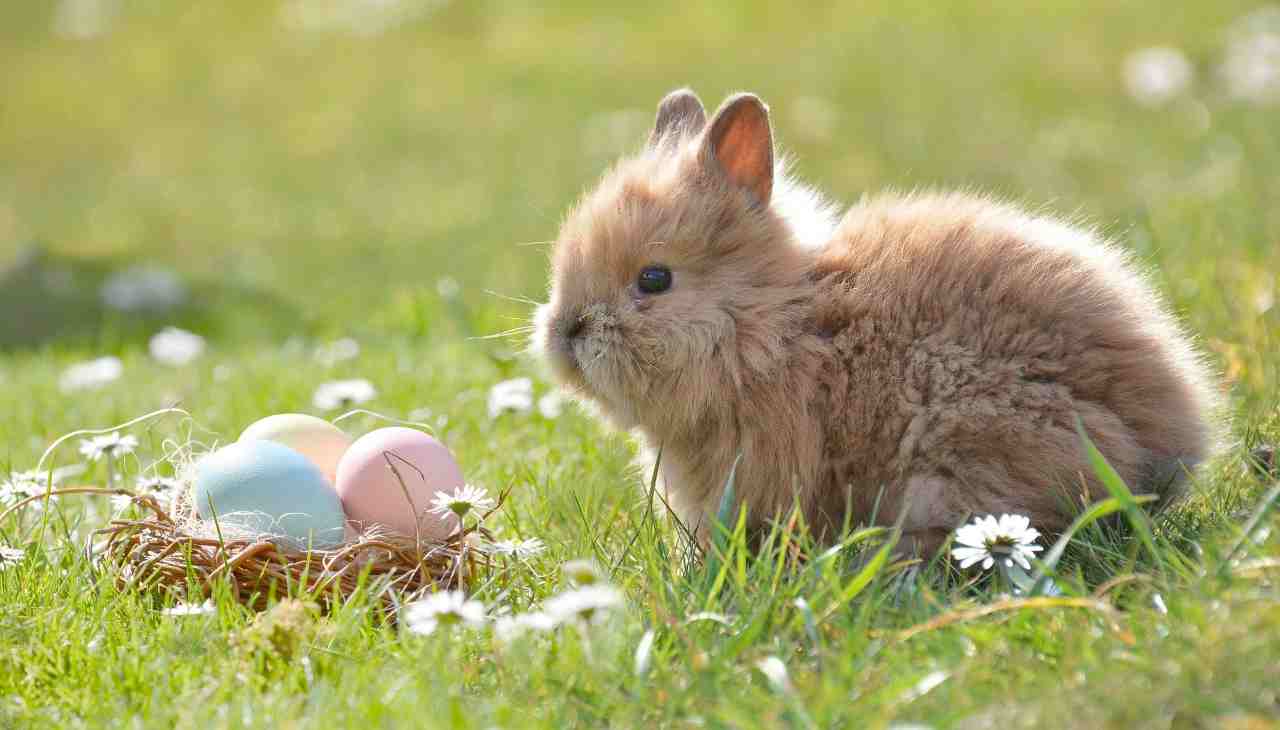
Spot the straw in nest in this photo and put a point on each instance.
(170, 552)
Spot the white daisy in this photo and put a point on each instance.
(644, 653)
(551, 405)
(23, 484)
(775, 671)
(112, 444)
(10, 556)
(1009, 539)
(518, 549)
(120, 502)
(515, 396)
(91, 374)
(156, 485)
(589, 603)
(507, 628)
(463, 500)
(190, 609)
(1251, 68)
(583, 572)
(222, 373)
(343, 394)
(19, 485)
(145, 287)
(1156, 75)
(337, 351)
(175, 347)
(447, 608)
(448, 288)
(84, 19)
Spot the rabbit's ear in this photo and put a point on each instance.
(680, 113)
(740, 144)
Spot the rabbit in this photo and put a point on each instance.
(922, 360)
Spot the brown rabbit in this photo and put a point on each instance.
(928, 354)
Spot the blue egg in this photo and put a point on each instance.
(272, 489)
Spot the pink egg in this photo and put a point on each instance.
(372, 495)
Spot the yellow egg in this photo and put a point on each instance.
(320, 441)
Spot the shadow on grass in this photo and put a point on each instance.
(104, 303)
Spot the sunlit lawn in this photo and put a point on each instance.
(309, 172)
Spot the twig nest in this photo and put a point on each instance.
(168, 553)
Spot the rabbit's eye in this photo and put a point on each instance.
(654, 279)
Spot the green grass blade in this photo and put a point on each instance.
(724, 518)
(1250, 525)
(1093, 513)
(1120, 492)
(862, 579)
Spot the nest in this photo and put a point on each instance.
(169, 552)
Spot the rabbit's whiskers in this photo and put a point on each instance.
(513, 332)
(511, 298)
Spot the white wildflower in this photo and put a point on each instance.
(1009, 539)
(145, 287)
(359, 17)
(644, 653)
(448, 287)
(176, 347)
(583, 572)
(518, 549)
(190, 609)
(551, 405)
(91, 374)
(515, 396)
(120, 503)
(463, 500)
(343, 394)
(22, 484)
(1157, 600)
(924, 686)
(714, 617)
(112, 444)
(1251, 67)
(156, 485)
(84, 19)
(10, 556)
(222, 373)
(506, 628)
(1157, 75)
(775, 672)
(589, 604)
(447, 608)
(18, 486)
(337, 351)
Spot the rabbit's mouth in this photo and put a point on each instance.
(580, 348)
(560, 341)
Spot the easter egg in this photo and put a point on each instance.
(271, 489)
(315, 438)
(373, 495)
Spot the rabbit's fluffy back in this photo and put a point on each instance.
(965, 338)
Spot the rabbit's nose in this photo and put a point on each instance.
(573, 326)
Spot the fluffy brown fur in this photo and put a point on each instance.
(929, 355)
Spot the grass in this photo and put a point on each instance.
(310, 184)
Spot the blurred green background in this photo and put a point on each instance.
(278, 176)
(316, 167)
